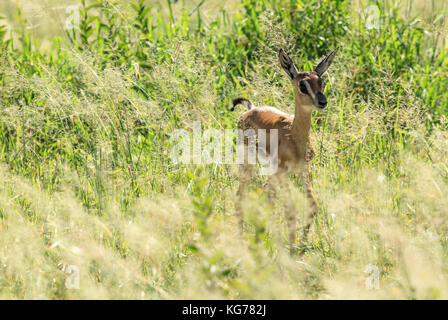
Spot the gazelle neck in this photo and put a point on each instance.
(301, 125)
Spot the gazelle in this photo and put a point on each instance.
(295, 150)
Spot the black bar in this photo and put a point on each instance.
(218, 309)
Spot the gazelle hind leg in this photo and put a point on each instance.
(270, 188)
(290, 208)
(245, 174)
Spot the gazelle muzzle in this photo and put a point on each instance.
(321, 100)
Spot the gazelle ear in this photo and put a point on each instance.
(323, 66)
(287, 64)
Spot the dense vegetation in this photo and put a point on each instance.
(87, 179)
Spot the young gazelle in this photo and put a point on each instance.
(295, 151)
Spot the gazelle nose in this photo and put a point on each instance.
(321, 99)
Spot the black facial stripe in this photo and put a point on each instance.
(303, 87)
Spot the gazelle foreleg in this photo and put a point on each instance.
(306, 178)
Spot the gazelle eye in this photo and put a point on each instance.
(302, 87)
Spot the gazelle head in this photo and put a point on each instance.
(309, 86)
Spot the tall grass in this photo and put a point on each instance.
(87, 179)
